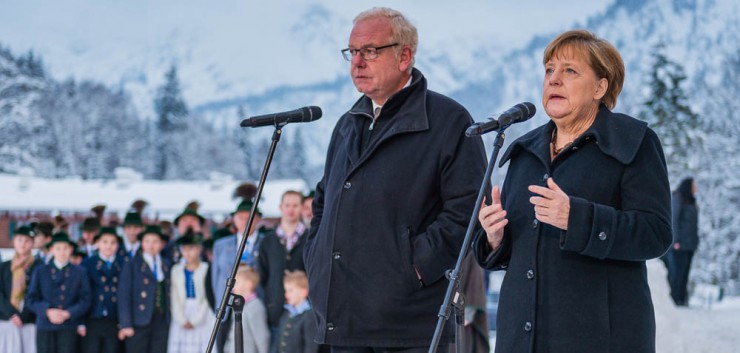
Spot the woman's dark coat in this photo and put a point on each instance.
(403, 201)
(584, 289)
(6, 286)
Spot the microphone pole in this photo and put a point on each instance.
(232, 277)
(454, 275)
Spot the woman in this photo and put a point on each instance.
(192, 318)
(585, 202)
(17, 329)
(686, 239)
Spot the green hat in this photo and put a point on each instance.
(25, 230)
(190, 238)
(90, 224)
(133, 219)
(246, 206)
(61, 237)
(152, 229)
(106, 230)
(311, 194)
(190, 212)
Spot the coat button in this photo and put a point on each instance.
(347, 185)
(545, 177)
(330, 326)
(527, 326)
(337, 255)
(530, 274)
(602, 236)
(535, 223)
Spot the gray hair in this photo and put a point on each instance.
(404, 33)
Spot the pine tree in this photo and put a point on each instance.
(171, 111)
(243, 138)
(669, 114)
(299, 163)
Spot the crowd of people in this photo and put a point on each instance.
(136, 288)
(586, 201)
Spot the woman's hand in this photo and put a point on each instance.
(493, 219)
(552, 206)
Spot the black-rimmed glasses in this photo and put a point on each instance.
(369, 53)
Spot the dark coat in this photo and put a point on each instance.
(136, 292)
(272, 262)
(685, 224)
(67, 289)
(104, 286)
(584, 289)
(296, 334)
(6, 285)
(381, 213)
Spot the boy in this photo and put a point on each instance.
(60, 296)
(297, 325)
(103, 269)
(254, 318)
(143, 296)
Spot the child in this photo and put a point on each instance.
(192, 318)
(254, 317)
(143, 296)
(17, 329)
(60, 296)
(103, 269)
(297, 325)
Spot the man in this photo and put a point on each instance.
(280, 251)
(224, 253)
(391, 210)
(307, 208)
(90, 227)
(132, 226)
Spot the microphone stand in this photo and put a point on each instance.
(454, 296)
(232, 277)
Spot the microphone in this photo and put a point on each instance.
(517, 114)
(302, 115)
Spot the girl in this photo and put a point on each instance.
(192, 318)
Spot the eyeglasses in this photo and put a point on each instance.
(366, 53)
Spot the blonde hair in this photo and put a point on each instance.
(297, 278)
(600, 55)
(246, 273)
(404, 33)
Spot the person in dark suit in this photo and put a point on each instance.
(586, 201)
(685, 216)
(60, 296)
(143, 296)
(100, 332)
(17, 328)
(390, 212)
(280, 251)
(132, 226)
(86, 243)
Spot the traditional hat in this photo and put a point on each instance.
(133, 219)
(246, 206)
(61, 237)
(152, 229)
(190, 238)
(190, 210)
(106, 231)
(25, 230)
(311, 194)
(91, 224)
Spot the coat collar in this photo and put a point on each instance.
(408, 107)
(617, 135)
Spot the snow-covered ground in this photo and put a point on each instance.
(698, 328)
